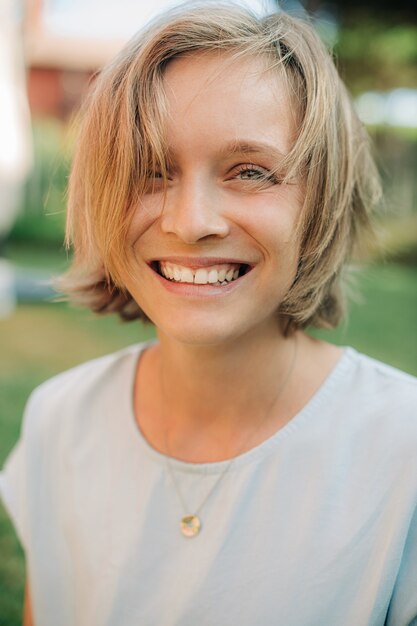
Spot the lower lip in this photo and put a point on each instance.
(200, 291)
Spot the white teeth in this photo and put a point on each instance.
(213, 276)
(219, 274)
(230, 275)
(187, 275)
(201, 277)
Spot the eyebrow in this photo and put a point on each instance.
(251, 147)
(241, 147)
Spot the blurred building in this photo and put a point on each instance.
(67, 41)
(59, 66)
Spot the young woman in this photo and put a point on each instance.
(236, 471)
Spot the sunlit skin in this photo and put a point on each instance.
(228, 128)
(222, 352)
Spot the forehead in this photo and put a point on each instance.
(214, 96)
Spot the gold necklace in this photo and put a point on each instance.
(190, 524)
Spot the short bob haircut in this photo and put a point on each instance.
(122, 137)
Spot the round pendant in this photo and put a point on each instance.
(190, 525)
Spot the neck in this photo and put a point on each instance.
(209, 403)
(214, 397)
(207, 380)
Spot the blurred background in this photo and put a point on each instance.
(50, 51)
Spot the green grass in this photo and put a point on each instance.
(41, 340)
(382, 320)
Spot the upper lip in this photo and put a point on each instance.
(196, 262)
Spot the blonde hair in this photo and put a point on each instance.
(122, 137)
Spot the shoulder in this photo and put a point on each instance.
(86, 378)
(366, 428)
(379, 403)
(80, 392)
(374, 378)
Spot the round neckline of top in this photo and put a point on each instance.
(256, 453)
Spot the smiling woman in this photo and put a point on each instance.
(126, 130)
(235, 471)
(222, 211)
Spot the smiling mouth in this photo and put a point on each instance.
(215, 275)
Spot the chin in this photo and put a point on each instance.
(212, 324)
(211, 331)
(197, 334)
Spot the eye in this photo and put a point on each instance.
(255, 174)
(154, 182)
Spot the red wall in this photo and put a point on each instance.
(54, 92)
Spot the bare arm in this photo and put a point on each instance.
(27, 608)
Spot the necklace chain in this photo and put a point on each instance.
(190, 523)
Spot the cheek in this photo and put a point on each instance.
(272, 221)
(144, 215)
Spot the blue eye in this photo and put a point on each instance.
(250, 174)
(256, 174)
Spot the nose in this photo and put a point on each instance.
(193, 211)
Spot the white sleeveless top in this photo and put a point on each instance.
(317, 526)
